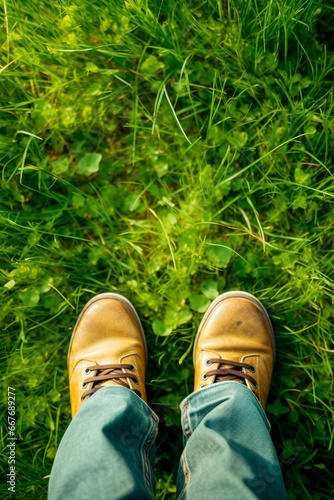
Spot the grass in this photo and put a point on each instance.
(169, 151)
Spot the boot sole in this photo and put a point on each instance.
(237, 295)
(112, 296)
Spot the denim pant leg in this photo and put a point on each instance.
(107, 452)
(228, 451)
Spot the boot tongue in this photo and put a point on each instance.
(107, 383)
(225, 378)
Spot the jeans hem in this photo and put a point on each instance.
(212, 387)
(142, 402)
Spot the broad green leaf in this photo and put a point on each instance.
(89, 164)
(184, 316)
(9, 284)
(301, 177)
(30, 297)
(160, 329)
(299, 202)
(131, 203)
(60, 165)
(45, 284)
(210, 289)
(199, 303)
(277, 409)
(174, 318)
(151, 66)
(219, 253)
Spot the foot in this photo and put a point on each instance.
(107, 348)
(235, 341)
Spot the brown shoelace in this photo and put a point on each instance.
(109, 372)
(235, 372)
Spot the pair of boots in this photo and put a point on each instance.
(235, 342)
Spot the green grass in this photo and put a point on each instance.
(170, 151)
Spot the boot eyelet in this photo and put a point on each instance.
(136, 382)
(86, 371)
(83, 385)
(208, 362)
(252, 369)
(204, 376)
(82, 399)
(132, 368)
(255, 385)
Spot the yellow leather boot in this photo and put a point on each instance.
(107, 348)
(235, 341)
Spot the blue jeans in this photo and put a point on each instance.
(107, 453)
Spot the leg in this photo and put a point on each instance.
(228, 451)
(108, 450)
